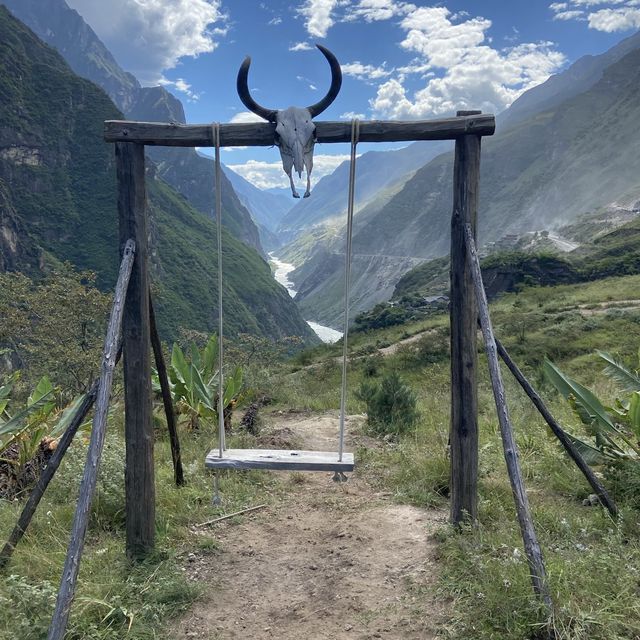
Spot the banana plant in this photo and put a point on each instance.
(40, 419)
(615, 430)
(194, 382)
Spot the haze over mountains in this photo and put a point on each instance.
(564, 148)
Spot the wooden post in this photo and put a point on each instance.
(463, 438)
(94, 453)
(139, 472)
(530, 540)
(178, 473)
(558, 431)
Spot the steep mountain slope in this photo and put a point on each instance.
(538, 174)
(192, 175)
(58, 201)
(65, 30)
(578, 78)
(376, 171)
(267, 209)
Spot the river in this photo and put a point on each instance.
(281, 274)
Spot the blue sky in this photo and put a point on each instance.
(401, 60)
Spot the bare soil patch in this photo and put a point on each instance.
(329, 560)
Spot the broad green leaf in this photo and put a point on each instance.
(67, 416)
(585, 403)
(16, 422)
(179, 363)
(591, 455)
(5, 390)
(43, 388)
(204, 394)
(634, 414)
(628, 380)
(195, 357)
(211, 356)
(233, 385)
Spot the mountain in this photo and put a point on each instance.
(64, 29)
(58, 202)
(192, 175)
(578, 78)
(376, 171)
(267, 209)
(539, 173)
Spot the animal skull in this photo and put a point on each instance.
(295, 133)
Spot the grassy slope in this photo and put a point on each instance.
(593, 563)
(67, 202)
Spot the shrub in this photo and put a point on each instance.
(391, 404)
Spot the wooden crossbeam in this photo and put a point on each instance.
(261, 134)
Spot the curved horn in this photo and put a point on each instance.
(336, 83)
(243, 91)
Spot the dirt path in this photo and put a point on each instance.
(328, 560)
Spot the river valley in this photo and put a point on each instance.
(281, 274)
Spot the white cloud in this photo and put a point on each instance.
(376, 10)
(366, 72)
(150, 36)
(266, 175)
(461, 69)
(601, 15)
(246, 116)
(275, 21)
(569, 15)
(352, 115)
(180, 85)
(318, 16)
(610, 20)
(300, 46)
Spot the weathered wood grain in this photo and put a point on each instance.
(136, 345)
(531, 546)
(463, 439)
(94, 453)
(261, 133)
(279, 460)
(167, 401)
(603, 495)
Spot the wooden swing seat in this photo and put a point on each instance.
(279, 460)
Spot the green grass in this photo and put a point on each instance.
(116, 598)
(592, 561)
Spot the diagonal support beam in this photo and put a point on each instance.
(531, 545)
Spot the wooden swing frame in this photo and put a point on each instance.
(132, 319)
(130, 139)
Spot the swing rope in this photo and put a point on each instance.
(355, 134)
(216, 141)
